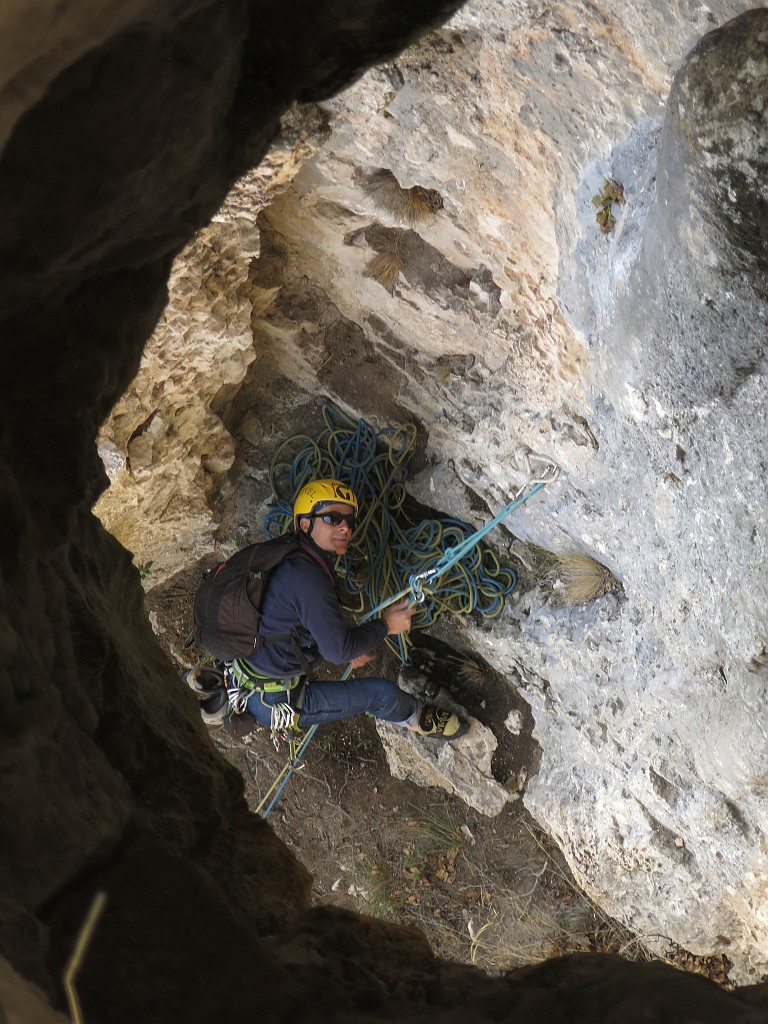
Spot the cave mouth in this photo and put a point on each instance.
(126, 132)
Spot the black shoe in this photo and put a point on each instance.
(440, 724)
(213, 709)
(205, 682)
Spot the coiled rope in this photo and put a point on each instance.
(382, 555)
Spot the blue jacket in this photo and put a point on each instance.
(301, 595)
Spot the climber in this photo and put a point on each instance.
(271, 687)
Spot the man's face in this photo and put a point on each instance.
(327, 536)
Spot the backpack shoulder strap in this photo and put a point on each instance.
(315, 557)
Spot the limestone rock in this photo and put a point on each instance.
(173, 450)
(461, 767)
(174, 445)
(647, 706)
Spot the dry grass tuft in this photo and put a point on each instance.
(472, 674)
(468, 671)
(545, 917)
(386, 265)
(578, 579)
(409, 205)
(438, 831)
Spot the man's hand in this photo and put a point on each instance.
(398, 617)
(364, 659)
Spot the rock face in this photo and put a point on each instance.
(165, 449)
(463, 769)
(651, 397)
(659, 725)
(123, 126)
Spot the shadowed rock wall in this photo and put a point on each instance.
(127, 123)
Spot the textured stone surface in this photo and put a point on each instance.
(648, 715)
(650, 709)
(164, 447)
(462, 767)
(647, 706)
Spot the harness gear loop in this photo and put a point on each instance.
(241, 681)
(283, 718)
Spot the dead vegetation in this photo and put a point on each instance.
(437, 876)
(410, 206)
(571, 577)
(578, 579)
(386, 265)
(441, 879)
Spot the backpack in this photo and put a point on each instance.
(227, 607)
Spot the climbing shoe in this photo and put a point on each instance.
(205, 682)
(213, 709)
(440, 724)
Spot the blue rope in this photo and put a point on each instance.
(383, 554)
(450, 558)
(293, 765)
(288, 771)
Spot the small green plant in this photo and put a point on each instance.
(439, 830)
(611, 192)
(326, 742)
(145, 569)
(376, 885)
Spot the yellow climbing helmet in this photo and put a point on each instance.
(315, 495)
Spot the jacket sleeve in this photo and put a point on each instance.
(320, 613)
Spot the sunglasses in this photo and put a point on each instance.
(336, 518)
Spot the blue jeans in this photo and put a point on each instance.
(332, 700)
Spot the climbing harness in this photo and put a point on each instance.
(241, 681)
(385, 558)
